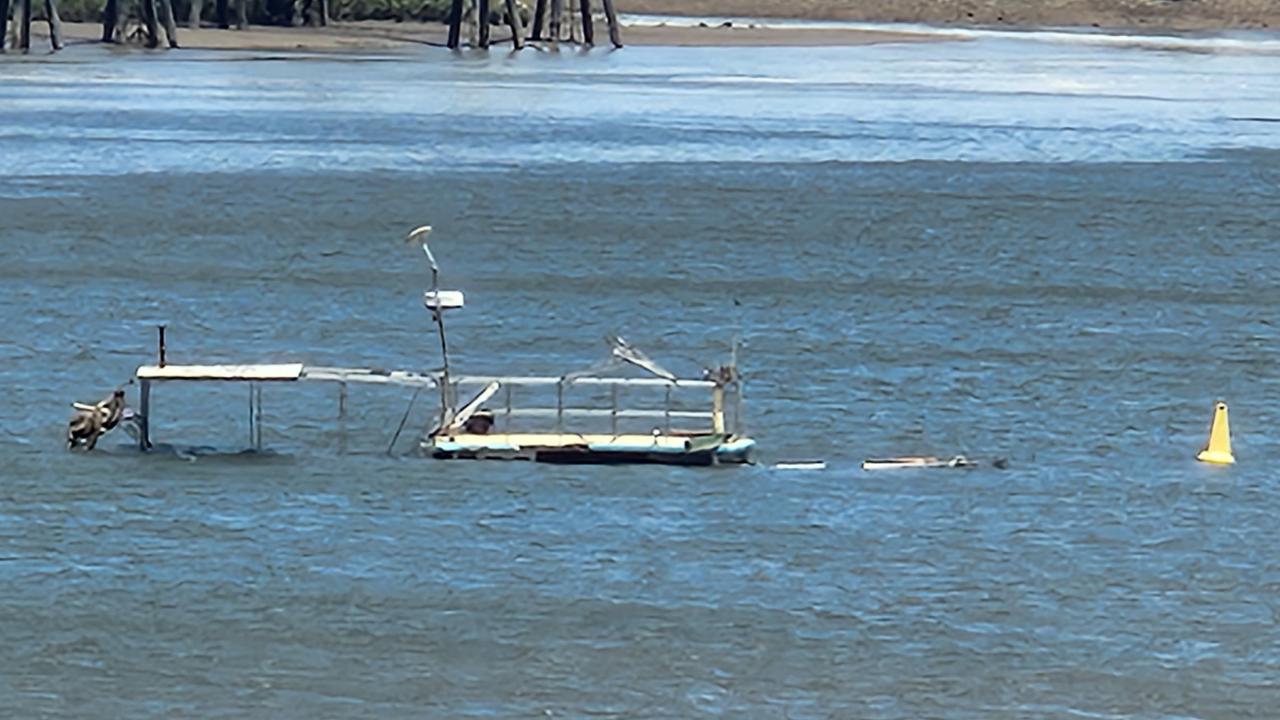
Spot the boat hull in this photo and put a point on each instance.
(567, 449)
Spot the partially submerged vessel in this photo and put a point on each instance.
(578, 417)
(564, 432)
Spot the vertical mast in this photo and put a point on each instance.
(434, 304)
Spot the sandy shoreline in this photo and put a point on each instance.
(1114, 14)
(1118, 14)
(378, 35)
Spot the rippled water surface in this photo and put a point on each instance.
(1060, 254)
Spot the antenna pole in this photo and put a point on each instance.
(437, 313)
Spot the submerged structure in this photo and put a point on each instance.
(578, 417)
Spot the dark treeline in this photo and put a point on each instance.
(279, 12)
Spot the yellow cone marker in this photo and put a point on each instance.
(1219, 450)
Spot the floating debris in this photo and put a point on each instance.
(915, 462)
(801, 465)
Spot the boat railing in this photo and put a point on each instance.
(671, 407)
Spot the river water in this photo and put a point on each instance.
(1059, 253)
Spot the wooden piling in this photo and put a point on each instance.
(514, 21)
(149, 22)
(473, 23)
(4, 23)
(222, 10)
(55, 24)
(482, 17)
(539, 15)
(455, 25)
(615, 32)
(193, 17)
(588, 27)
(24, 25)
(166, 18)
(557, 12)
(110, 17)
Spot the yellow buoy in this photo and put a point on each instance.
(1218, 451)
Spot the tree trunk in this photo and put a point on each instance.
(557, 12)
(615, 32)
(24, 25)
(588, 27)
(482, 17)
(455, 24)
(539, 14)
(55, 24)
(242, 14)
(166, 17)
(298, 17)
(4, 23)
(149, 21)
(224, 14)
(513, 19)
(193, 18)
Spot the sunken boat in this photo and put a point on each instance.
(595, 416)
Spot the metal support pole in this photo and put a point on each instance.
(342, 418)
(160, 349)
(252, 433)
(667, 408)
(144, 409)
(613, 418)
(257, 444)
(509, 409)
(560, 406)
